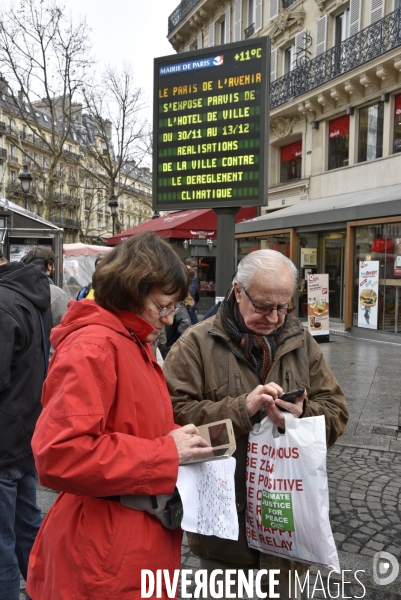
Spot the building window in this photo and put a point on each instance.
(222, 32)
(251, 12)
(289, 59)
(12, 176)
(338, 142)
(397, 124)
(341, 31)
(13, 152)
(370, 145)
(291, 162)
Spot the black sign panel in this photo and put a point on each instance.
(211, 123)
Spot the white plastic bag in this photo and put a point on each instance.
(287, 491)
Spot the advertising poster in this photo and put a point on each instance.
(318, 303)
(308, 257)
(368, 293)
(18, 251)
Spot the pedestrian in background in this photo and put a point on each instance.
(107, 431)
(59, 299)
(192, 266)
(24, 334)
(181, 322)
(88, 291)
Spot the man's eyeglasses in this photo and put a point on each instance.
(267, 310)
(167, 310)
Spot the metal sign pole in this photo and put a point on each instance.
(225, 263)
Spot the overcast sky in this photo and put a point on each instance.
(132, 31)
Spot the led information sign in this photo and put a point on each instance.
(211, 127)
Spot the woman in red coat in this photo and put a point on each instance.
(107, 430)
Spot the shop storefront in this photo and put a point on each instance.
(347, 238)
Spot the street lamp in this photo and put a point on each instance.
(25, 178)
(113, 204)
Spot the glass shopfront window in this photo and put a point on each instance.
(291, 162)
(370, 143)
(380, 243)
(279, 242)
(308, 264)
(397, 124)
(338, 142)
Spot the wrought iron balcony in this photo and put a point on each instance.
(3, 153)
(249, 31)
(67, 154)
(182, 10)
(13, 186)
(367, 44)
(62, 222)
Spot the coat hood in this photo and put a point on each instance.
(88, 312)
(29, 281)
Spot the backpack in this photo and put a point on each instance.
(85, 291)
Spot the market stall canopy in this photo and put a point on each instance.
(186, 224)
(79, 265)
(80, 249)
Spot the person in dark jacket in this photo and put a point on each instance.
(24, 308)
(192, 266)
(58, 297)
(181, 322)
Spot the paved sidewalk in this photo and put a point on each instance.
(364, 467)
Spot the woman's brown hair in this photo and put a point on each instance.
(126, 275)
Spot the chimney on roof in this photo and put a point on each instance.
(107, 127)
(76, 113)
(4, 89)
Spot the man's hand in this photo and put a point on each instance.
(262, 397)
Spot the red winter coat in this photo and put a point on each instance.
(103, 432)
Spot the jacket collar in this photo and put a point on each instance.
(294, 333)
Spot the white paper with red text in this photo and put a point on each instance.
(287, 492)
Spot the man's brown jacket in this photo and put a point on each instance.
(209, 378)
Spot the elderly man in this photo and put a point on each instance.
(236, 365)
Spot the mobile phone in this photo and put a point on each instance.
(220, 436)
(292, 396)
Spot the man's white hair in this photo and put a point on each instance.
(270, 262)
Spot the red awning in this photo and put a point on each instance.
(185, 224)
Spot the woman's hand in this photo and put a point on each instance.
(189, 443)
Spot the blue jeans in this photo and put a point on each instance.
(20, 520)
(193, 315)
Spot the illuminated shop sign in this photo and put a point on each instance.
(211, 120)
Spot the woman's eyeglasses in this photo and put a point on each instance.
(267, 310)
(167, 310)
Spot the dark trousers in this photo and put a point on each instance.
(20, 519)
